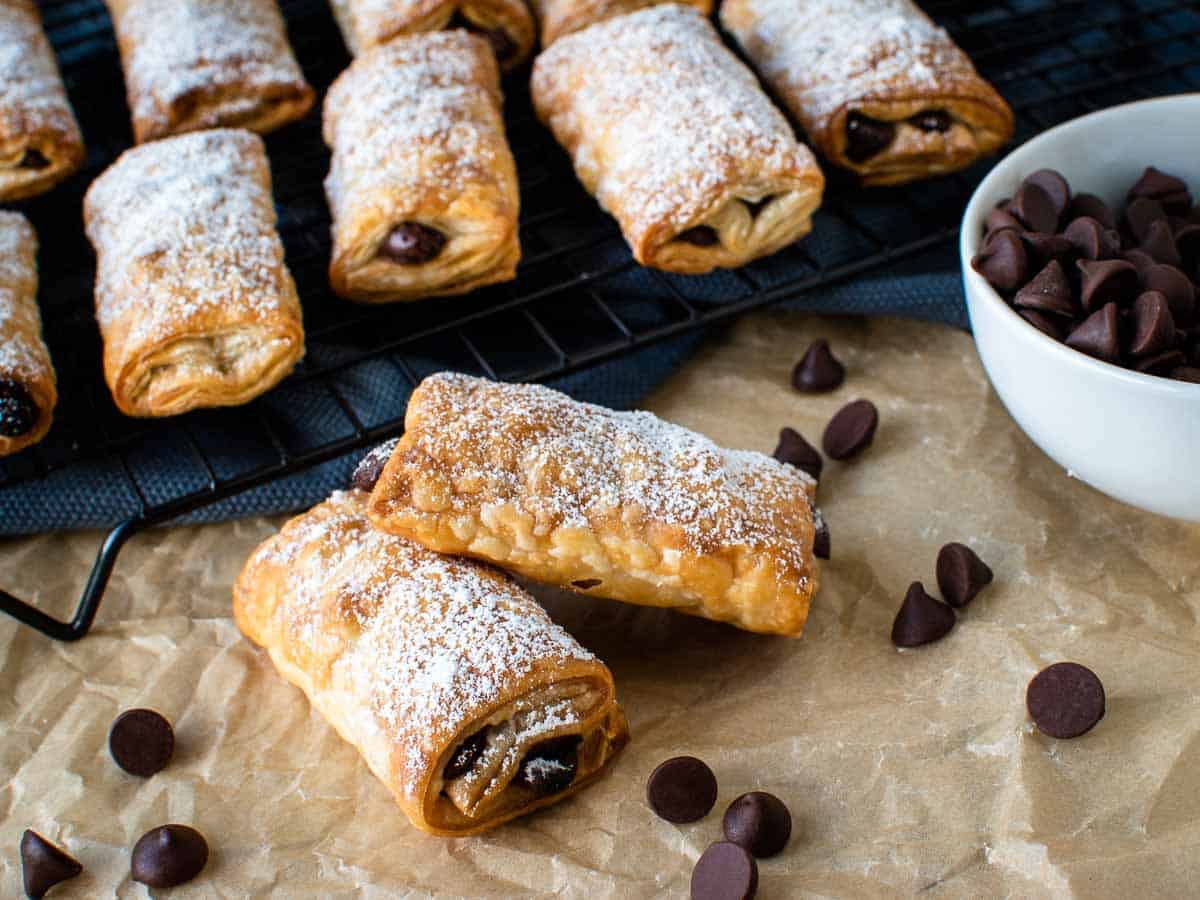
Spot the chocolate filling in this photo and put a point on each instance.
(466, 755)
(756, 207)
(586, 583)
(34, 159)
(866, 137)
(701, 236)
(410, 244)
(932, 120)
(549, 767)
(18, 412)
(502, 44)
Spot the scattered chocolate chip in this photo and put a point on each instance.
(851, 430)
(169, 855)
(1091, 239)
(1041, 248)
(999, 219)
(465, 755)
(794, 450)
(758, 821)
(1168, 190)
(1002, 260)
(18, 411)
(370, 467)
(1065, 700)
(682, 789)
(921, 619)
(822, 545)
(1140, 215)
(932, 120)
(1175, 286)
(1153, 325)
(1106, 281)
(1048, 292)
(819, 370)
(867, 137)
(1047, 325)
(549, 767)
(141, 742)
(1098, 335)
(961, 574)
(412, 243)
(1187, 373)
(34, 159)
(1162, 363)
(43, 865)
(1034, 207)
(1054, 185)
(700, 236)
(724, 871)
(1159, 243)
(1093, 207)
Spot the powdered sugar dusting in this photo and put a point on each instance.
(661, 119)
(22, 354)
(32, 98)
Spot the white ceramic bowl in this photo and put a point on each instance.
(1135, 437)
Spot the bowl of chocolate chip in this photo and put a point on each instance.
(1081, 264)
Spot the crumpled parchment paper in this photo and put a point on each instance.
(906, 772)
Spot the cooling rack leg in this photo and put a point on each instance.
(89, 601)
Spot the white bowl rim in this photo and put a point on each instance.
(969, 245)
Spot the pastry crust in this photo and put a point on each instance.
(819, 61)
(507, 23)
(408, 654)
(417, 135)
(40, 143)
(562, 17)
(675, 138)
(195, 64)
(24, 359)
(613, 504)
(195, 304)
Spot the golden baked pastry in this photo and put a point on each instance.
(422, 186)
(879, 88)
(506, 24)
(462, 696)
(27, 385)
(561, 17)
(195, 304)
(675, 138)
(40, 143)
(614, 504)
(194, 64)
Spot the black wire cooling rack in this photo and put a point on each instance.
(579, 297)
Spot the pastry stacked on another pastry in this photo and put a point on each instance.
(879, 88)
(561, 17)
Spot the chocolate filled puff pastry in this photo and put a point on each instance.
(462, 696)
(40, 143)
(195, 304)
(193, 64)
(561, 17)
(615, 504)
(422, 185)
(507, 25)
(675, 138)
(27, 384)
(895, 101)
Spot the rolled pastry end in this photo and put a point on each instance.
(33, 166)
(26, 411)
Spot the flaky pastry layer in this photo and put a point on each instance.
(558, 18)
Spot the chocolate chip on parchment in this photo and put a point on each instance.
(1002, 260)
(168, 856)
(43, 865)
(682, 789)
(1091, 239)
(822, 545)
(1055, 186)
(465, 755)
(867, 137)
(1099, 335)
(851, 430)
(370, 467)
(1092, 206)
(1106, 281)
(725, 871)
(1049, 292)
(411, 243)
(1051, 326)
(1153, 325)
(818, 371)
(1168, 190)
(550, 766)
(961, 574)
(1065, 700)
(794, 450)
(1035, 208)
(758, 821)
(141, 742)
(921, 619)
(18, 411)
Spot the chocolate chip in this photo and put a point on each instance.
(411, 243)
(794, 450)
(1187, 373)
(1159, 243)
(141, 742)
(1047, 325)
(1054, 185)
(682, 789)
(932, 120)
(1140, 215)
(1098, 335)
(961, 574)
(549, 767)
(921, 619)
(1002, 260)
(1033, 206)
(1140, 259)
(465, 755)
(867, 137)
(724, 871)
(370, 467)
(819, 370)
(34, 159)
(18, 411)
(1065, 700)
(169, 855)
(822, 545)
(1041, 248)
(1168, 190)
(1187, 242)
(851, 430)
(758, 821)
(1153, 325)
(1175, 286)
(1093, 207)
(999, 219)
(1106, 281)
(1048, 292)
(43, 865)
(700, 236)
(1161, 363)
(1091, 239)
